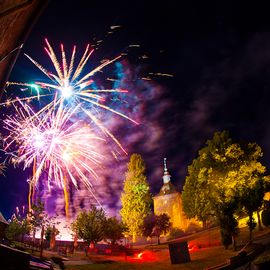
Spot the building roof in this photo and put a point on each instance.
(16, 20)
(168, 187)
(2, 219)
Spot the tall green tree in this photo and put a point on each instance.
(251, 182)
(136, 198)
(217, 180)
(90, 226)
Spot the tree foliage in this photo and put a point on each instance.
(49, 231)
(148, 225)
(221, 179)
(90, 226)
(38, 216)
(155, 225)
(113, 230)
(18, 227)
(136, 198)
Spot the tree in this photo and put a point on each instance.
(251, 200)
(228, 223)
(49, 231)
(18, 227)
(113, 230)
(155, 225)
(162, 225)
(252, 183)
(136, 198)
(37, 217)
(218, 178)
(90, 226)
(196, 206)
(148, 225)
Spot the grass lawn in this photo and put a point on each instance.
(200, 259)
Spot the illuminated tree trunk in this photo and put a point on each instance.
(75, 244)
(134, 237)
(250, 225)
(234, 242)
(52, 240)
(259, 220)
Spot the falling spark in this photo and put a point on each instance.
(115, 26)
(145, 56)
(112, 80)
(146, 79)
(134, 45)
(162, 74)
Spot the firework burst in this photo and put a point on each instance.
(69, 87)
(54, 143)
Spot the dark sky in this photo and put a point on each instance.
(218, 52)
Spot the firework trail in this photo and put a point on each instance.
(51, 142)
(70, 88)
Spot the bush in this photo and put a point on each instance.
(266, 217)
(262, 259)
(192, 228)
(175, 233)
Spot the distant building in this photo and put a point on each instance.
(3, 226)
(169, 201)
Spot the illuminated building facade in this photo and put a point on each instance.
(169, 201)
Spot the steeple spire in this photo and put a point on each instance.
(166, 176)
(165, 165)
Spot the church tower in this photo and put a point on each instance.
(169, 201)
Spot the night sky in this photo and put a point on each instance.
(218, 53)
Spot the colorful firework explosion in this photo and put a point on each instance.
(55, 143)
(68, 88)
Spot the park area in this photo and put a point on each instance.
(205, 251)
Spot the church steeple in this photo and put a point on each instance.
(166, 176)
(167, 187)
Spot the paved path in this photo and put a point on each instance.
(265, 240)
(78, 262)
